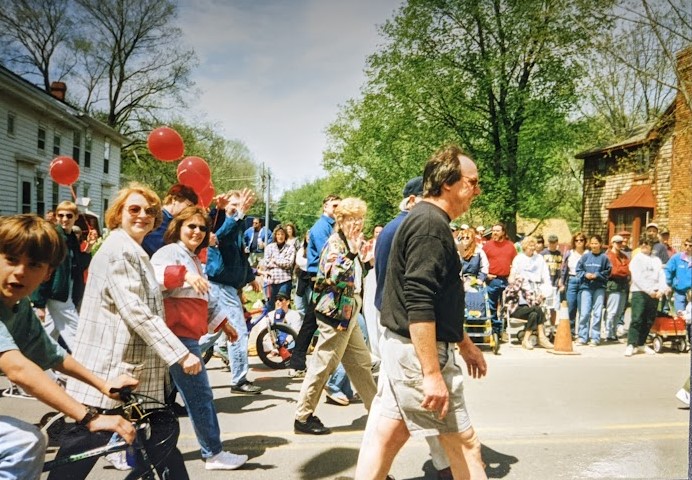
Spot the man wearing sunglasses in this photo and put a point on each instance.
(177, 199)
(56, 300)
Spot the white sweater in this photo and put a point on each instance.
(647, 274)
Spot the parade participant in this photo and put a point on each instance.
(318, 235)
(189, 315)
(122, 329)
(30, 248)
(413, 193)
(279, 259)
(256, 238)
(422, 312)
(229, 271)
(56, 300)
(178, 197)
(338, 300)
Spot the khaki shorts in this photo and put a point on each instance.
(402, 391)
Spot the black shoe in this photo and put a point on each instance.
(445, 474)
(179, 410)
(312, 426)
(246, 388)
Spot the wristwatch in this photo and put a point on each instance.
(90, 414)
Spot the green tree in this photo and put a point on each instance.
(497, 77)
(303, 205)
(230, 161)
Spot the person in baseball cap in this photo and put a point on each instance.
(413, 191)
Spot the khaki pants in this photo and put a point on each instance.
(333, 346)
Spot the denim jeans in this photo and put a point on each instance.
(615, 306)
(230, 302)
(590, 308)
(301, 301)
(495, 289)
(22, 449)
(572, 296)
(199, 401)
(339, 382)
(679, 301)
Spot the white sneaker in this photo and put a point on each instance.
(684, 396)
(646, 349)
(118, 460)
(225, 461)
(629, 350)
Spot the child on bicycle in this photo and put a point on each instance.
(30, 249)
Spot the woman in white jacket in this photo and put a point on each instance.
(189, 315)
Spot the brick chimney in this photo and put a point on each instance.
(58, 90)
(681, 162)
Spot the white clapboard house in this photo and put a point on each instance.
(35, 127)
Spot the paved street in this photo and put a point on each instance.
(598, 415)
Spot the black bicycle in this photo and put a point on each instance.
(132, 409)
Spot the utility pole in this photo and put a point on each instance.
(266, 181)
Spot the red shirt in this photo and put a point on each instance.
(500, 256)
(620, 263)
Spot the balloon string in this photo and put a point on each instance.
(74, 195)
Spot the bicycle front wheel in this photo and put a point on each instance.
(275, 345)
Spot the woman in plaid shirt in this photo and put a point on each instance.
(279, 258)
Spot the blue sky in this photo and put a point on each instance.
(273, 73)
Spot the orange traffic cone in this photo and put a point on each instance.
(563, 336)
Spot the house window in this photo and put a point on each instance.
(40, 192)
(56, 143)
(10, 124)
(87, 151)
(106, 155)
(41, 139)
(26, 196)
(643, 161)
(76, 145)
(55, 195)
(600, 173)
(85, 189)
(105, 205)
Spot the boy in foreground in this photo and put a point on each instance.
(30, 249)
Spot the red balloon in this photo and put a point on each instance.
(64, 170)
(165, 144)
(194, 172)
(207, 195)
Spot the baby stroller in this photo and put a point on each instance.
(477, 320)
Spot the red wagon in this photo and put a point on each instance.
(669, 329)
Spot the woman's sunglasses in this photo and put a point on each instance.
(135, 209)
(194, 226)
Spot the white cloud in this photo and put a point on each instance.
(273, 72)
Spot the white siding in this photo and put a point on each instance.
(19, 153)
